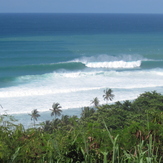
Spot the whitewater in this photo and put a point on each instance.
(77, 89)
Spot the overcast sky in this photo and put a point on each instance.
(81, 6)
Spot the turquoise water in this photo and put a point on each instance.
(72, 58)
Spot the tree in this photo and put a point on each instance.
(34, 115)
(87, 112)
(47, 126)
(127, 105)
(148, 100)
(108, 94)
(95, 102)
(56, 110)
(65, 119)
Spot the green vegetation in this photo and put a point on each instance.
(123, 132)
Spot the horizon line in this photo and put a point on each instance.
(77, 13)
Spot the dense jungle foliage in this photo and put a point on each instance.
(123, 132)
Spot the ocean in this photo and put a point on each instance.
(73, 58)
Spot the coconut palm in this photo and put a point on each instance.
(34, 115)
(65, 119)
(108, 94)
(46, 126)
(56, 110)
(95, 102)
(87, 112)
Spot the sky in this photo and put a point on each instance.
(81, 6)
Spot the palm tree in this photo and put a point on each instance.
(108, 94)
(65, 119)
(56, 110)
(47, 126)
(34, 115)
(95, 102)
(87, 112)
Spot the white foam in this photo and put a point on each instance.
(28, 92)
(110, 58)
(76, 89)
(114, 64)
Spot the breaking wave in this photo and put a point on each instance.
(114, 64)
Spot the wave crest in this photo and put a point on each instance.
(114, 64)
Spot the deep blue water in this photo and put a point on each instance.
(78, 24)
(72, 58)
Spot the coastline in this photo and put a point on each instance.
(25, 119)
